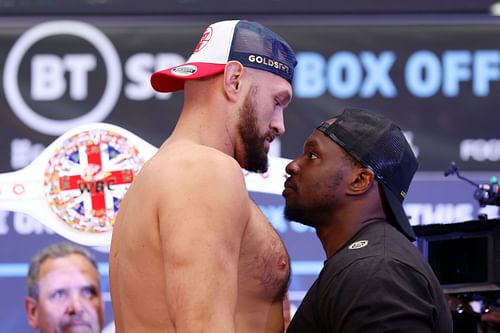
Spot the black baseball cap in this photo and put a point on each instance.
(379, 144)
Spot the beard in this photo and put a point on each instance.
(254, 154)
(301, 208)
(296, 214)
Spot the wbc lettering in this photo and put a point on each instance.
(95, 187)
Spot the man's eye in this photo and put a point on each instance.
(312, 156)
(58, 294)
(89, 292)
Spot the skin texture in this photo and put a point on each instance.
(191, 252)
(69, 297)
(331, 192)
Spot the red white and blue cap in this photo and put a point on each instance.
(248, 42)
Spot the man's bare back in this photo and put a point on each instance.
(139, 255)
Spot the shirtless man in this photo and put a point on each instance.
(191, 252)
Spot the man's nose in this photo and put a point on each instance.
(75, 304)
(278, 123)
(291, 168)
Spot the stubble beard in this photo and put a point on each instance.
(307, 215)
(295, 214)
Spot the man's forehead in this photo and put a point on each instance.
(70, 274)
(67, 269)
(73, 259)
(319, 139)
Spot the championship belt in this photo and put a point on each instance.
(75, 186)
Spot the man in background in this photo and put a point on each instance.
(64, 293)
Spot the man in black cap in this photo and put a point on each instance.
(349, 184)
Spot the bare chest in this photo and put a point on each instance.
(264, 263)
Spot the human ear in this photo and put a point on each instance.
(232, 78)
(31, 308)
(361, 180)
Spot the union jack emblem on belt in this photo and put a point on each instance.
(87, 177)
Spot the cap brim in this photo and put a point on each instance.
(172, 79)
(401, 219)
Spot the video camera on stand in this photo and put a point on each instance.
(466, 256)
(485, 194)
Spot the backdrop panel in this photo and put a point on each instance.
(439, 81)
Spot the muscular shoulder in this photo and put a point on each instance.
(196, 165)
(187, 177)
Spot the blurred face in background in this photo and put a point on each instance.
(69, 297)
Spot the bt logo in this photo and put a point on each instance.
(62, 74)
(48, 81)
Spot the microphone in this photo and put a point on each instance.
(452, 169)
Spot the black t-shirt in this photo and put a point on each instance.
(378, 282)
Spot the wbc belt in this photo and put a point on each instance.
(75, 186)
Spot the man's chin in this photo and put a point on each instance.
(257, 169)
(267, 146)
(294, 215)
(78, 327)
